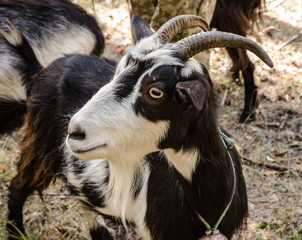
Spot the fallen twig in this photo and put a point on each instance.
(93, 7)
(268, 165)
(275, 3)
(293, 38)
(224, 98)
(268, 124)
(269, 28)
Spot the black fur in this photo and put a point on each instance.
(100, 233)
(128, 80)
(137, 24)
(14, 115)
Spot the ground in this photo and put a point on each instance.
(275, 138)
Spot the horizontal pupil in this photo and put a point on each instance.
(156, 93)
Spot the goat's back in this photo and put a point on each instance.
(53, 28)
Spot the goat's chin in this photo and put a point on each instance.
(87, 152)
(88, 155)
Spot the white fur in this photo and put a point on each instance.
(94, 220)
(10, 79)
(75, 39)
(184, 162)
(151, 49)
(118, 193)
(191, 65)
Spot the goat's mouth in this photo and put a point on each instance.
(81, 151)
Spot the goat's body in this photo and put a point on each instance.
(53, 28)
(237, 16)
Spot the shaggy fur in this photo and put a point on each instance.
(53, 28)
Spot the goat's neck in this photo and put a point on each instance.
(205, 173)
(125, 179)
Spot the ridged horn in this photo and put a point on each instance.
(179, 23)
(197, 43)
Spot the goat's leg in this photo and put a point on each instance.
(19, 192)
(29, 178)
(241, 62)
(97, 226)
(250, 102)
(233, 53)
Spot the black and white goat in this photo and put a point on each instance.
(159, 111)
(238, 16)
(53, 28)
(159, 99)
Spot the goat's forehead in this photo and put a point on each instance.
(153, 50)
(145, 58)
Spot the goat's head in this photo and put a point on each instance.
(156, 90)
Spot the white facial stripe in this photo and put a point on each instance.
(152, 49)
(121, 65)
(144, 46)
(184, 162)
(191, 65)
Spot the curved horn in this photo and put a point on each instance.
(179, 23)
(197, 43)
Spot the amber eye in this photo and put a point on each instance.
(156, 93)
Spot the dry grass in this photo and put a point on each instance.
(275, 198)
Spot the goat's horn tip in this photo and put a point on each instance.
(269, 63)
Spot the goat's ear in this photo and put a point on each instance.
(140, 28)
(195, 90)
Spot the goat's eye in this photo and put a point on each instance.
(156, 93)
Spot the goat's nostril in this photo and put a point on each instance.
(77, 133)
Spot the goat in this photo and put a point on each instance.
(159, 109)
(136, 183)
(53, 28)
(235, 16)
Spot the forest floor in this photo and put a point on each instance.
(274, 139)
